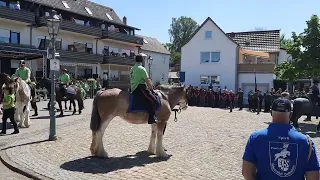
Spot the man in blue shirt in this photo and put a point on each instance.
(279, 151)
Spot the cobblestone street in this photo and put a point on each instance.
(205, 144)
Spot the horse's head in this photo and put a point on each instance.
(176, 94)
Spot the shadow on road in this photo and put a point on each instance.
(9, 125)
(30, 143)
(97, 165)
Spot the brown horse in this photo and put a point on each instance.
(115, 102)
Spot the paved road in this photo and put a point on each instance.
(205, 144)
(38, 123)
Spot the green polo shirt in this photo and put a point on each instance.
(138, 75)
(64, 78)
(23, 73)
(9, 98)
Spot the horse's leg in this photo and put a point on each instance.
(60, 107)
(152, 143)
(26, 115)
(97, 148)
(160, 152)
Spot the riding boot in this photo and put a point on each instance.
(34, 106)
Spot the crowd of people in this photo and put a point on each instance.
(227, 99)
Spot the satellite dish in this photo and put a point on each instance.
(103, 26)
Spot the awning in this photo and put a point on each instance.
(18, 51)
(66, 63)
(85, 64)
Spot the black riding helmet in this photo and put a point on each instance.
(139, 58)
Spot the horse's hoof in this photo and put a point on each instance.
(73, 113)
(151, 150)
(162, 154)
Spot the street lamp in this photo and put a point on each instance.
(53, 24)
(149, 61)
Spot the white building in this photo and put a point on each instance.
(92, 39)
(210, 56)
(159, 68)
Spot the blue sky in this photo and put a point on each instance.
(154, 17)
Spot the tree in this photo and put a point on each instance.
(305, 51)
(181, 30)
(284, 42)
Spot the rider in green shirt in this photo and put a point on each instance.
(141, 86)
(64, 80)
(23, 72)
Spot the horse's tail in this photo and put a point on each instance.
(95, 117)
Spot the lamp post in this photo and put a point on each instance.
(53, 24)
(149, 61)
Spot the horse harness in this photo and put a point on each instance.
(174, 109)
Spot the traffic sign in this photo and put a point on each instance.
(54, 65)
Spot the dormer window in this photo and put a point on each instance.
(88, 10)
(65, 4)
(145, 41)
(109, 17)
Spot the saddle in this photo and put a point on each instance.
(138, 103)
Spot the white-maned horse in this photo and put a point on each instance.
(23, 98)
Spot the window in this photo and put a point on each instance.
(4, 36)
(215, 56)
(65, 4)
(208, 35)
(44, 41)
(88, 10)
(207, 80)
(109, 17)
(206, 57)
(14, 37)
(78, 21)
(145, 41)
(3, 3)
(89, 48)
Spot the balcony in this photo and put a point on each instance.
(17, 15)
(259, 68)
(73, 27)
(122, 37)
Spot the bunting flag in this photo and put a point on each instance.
(255, 81)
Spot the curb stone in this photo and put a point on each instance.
(22, 170)
(19, 169)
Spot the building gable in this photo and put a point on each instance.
(208, 20)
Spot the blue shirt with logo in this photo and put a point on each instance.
(280, 152)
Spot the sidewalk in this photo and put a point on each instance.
(40, 124)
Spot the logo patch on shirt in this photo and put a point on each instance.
(283, 158)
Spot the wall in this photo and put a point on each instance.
(225, 68)
(17, 27)
(160, 66)
(284, 56)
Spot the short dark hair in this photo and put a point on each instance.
(139, 58)
(9, 89)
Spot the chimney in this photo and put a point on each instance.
(124, 20)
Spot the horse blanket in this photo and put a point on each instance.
(139, 104)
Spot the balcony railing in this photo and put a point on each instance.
(259, 68)
(73, 27)
(122, 37)
(17, 15)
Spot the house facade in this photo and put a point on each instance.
(92, 40)
(159, 68)
(258, 57)
(210, 57)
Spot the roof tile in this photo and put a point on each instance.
(266, 41)
(153, 45)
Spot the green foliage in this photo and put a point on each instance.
(285, 43)
(305, 51)
(181, 30)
